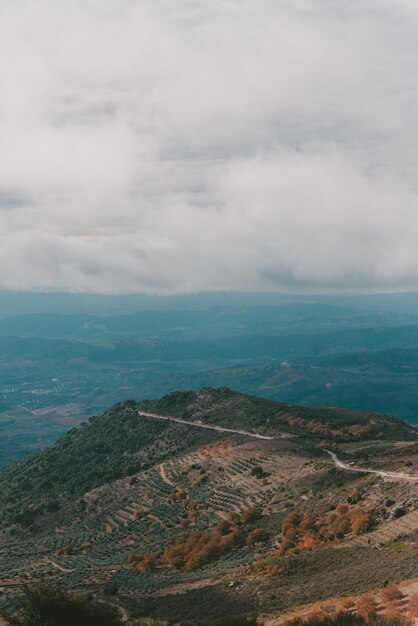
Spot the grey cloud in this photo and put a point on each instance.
(207, 144)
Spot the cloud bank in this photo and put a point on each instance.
(163, 146)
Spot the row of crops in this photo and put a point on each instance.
(142, 515)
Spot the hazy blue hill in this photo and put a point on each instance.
(44, 325)
(46, 349)
(384, 381)
(57, 350)
(13, 303)
(243, 347)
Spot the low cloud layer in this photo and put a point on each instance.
(160, 146)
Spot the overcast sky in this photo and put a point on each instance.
(177, 145)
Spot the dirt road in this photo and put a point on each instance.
(350, 468)
(207, 426)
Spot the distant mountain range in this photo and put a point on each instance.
(70, 356)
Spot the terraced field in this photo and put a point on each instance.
(151, 509)
(230, 494)
(148, 511)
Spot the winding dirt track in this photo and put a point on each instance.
(336, 460)
(164, 476)
(349, 468)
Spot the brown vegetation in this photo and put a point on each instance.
(197, 548)
(391, 593)
(366, 607)
(258, 535)
(413, 606)
(304, 531)
(323, 429)
(64, 550)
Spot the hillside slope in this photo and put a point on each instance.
(176, 519)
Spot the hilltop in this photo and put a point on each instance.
(176, 520)
(237, 410)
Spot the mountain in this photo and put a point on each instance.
(68, 357)
(214, 502)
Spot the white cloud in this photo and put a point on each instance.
(207, 144)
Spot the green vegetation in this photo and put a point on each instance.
(179, 522)
(114, 445)
(120, 443)
(236, 410)
(47, 606)
(60, 364)
(234, 620)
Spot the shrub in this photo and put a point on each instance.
(111, 589)
(321, 618)
(249, 515)
(258, 472)
(192, 550)
(43, 605)
(258, 535)
(393, 612)
(64, 550)
(413, 605)
(366, 607)
(144, 562)
(361, 523)
(391, 593)
(234, 620)
(354, 496)
(348, 603)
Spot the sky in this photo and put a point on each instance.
(166, 146)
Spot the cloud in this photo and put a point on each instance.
(208, 144)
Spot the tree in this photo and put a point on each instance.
(43, 605)
(258, 472)
(149, 561)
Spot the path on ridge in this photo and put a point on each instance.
(207, 426)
